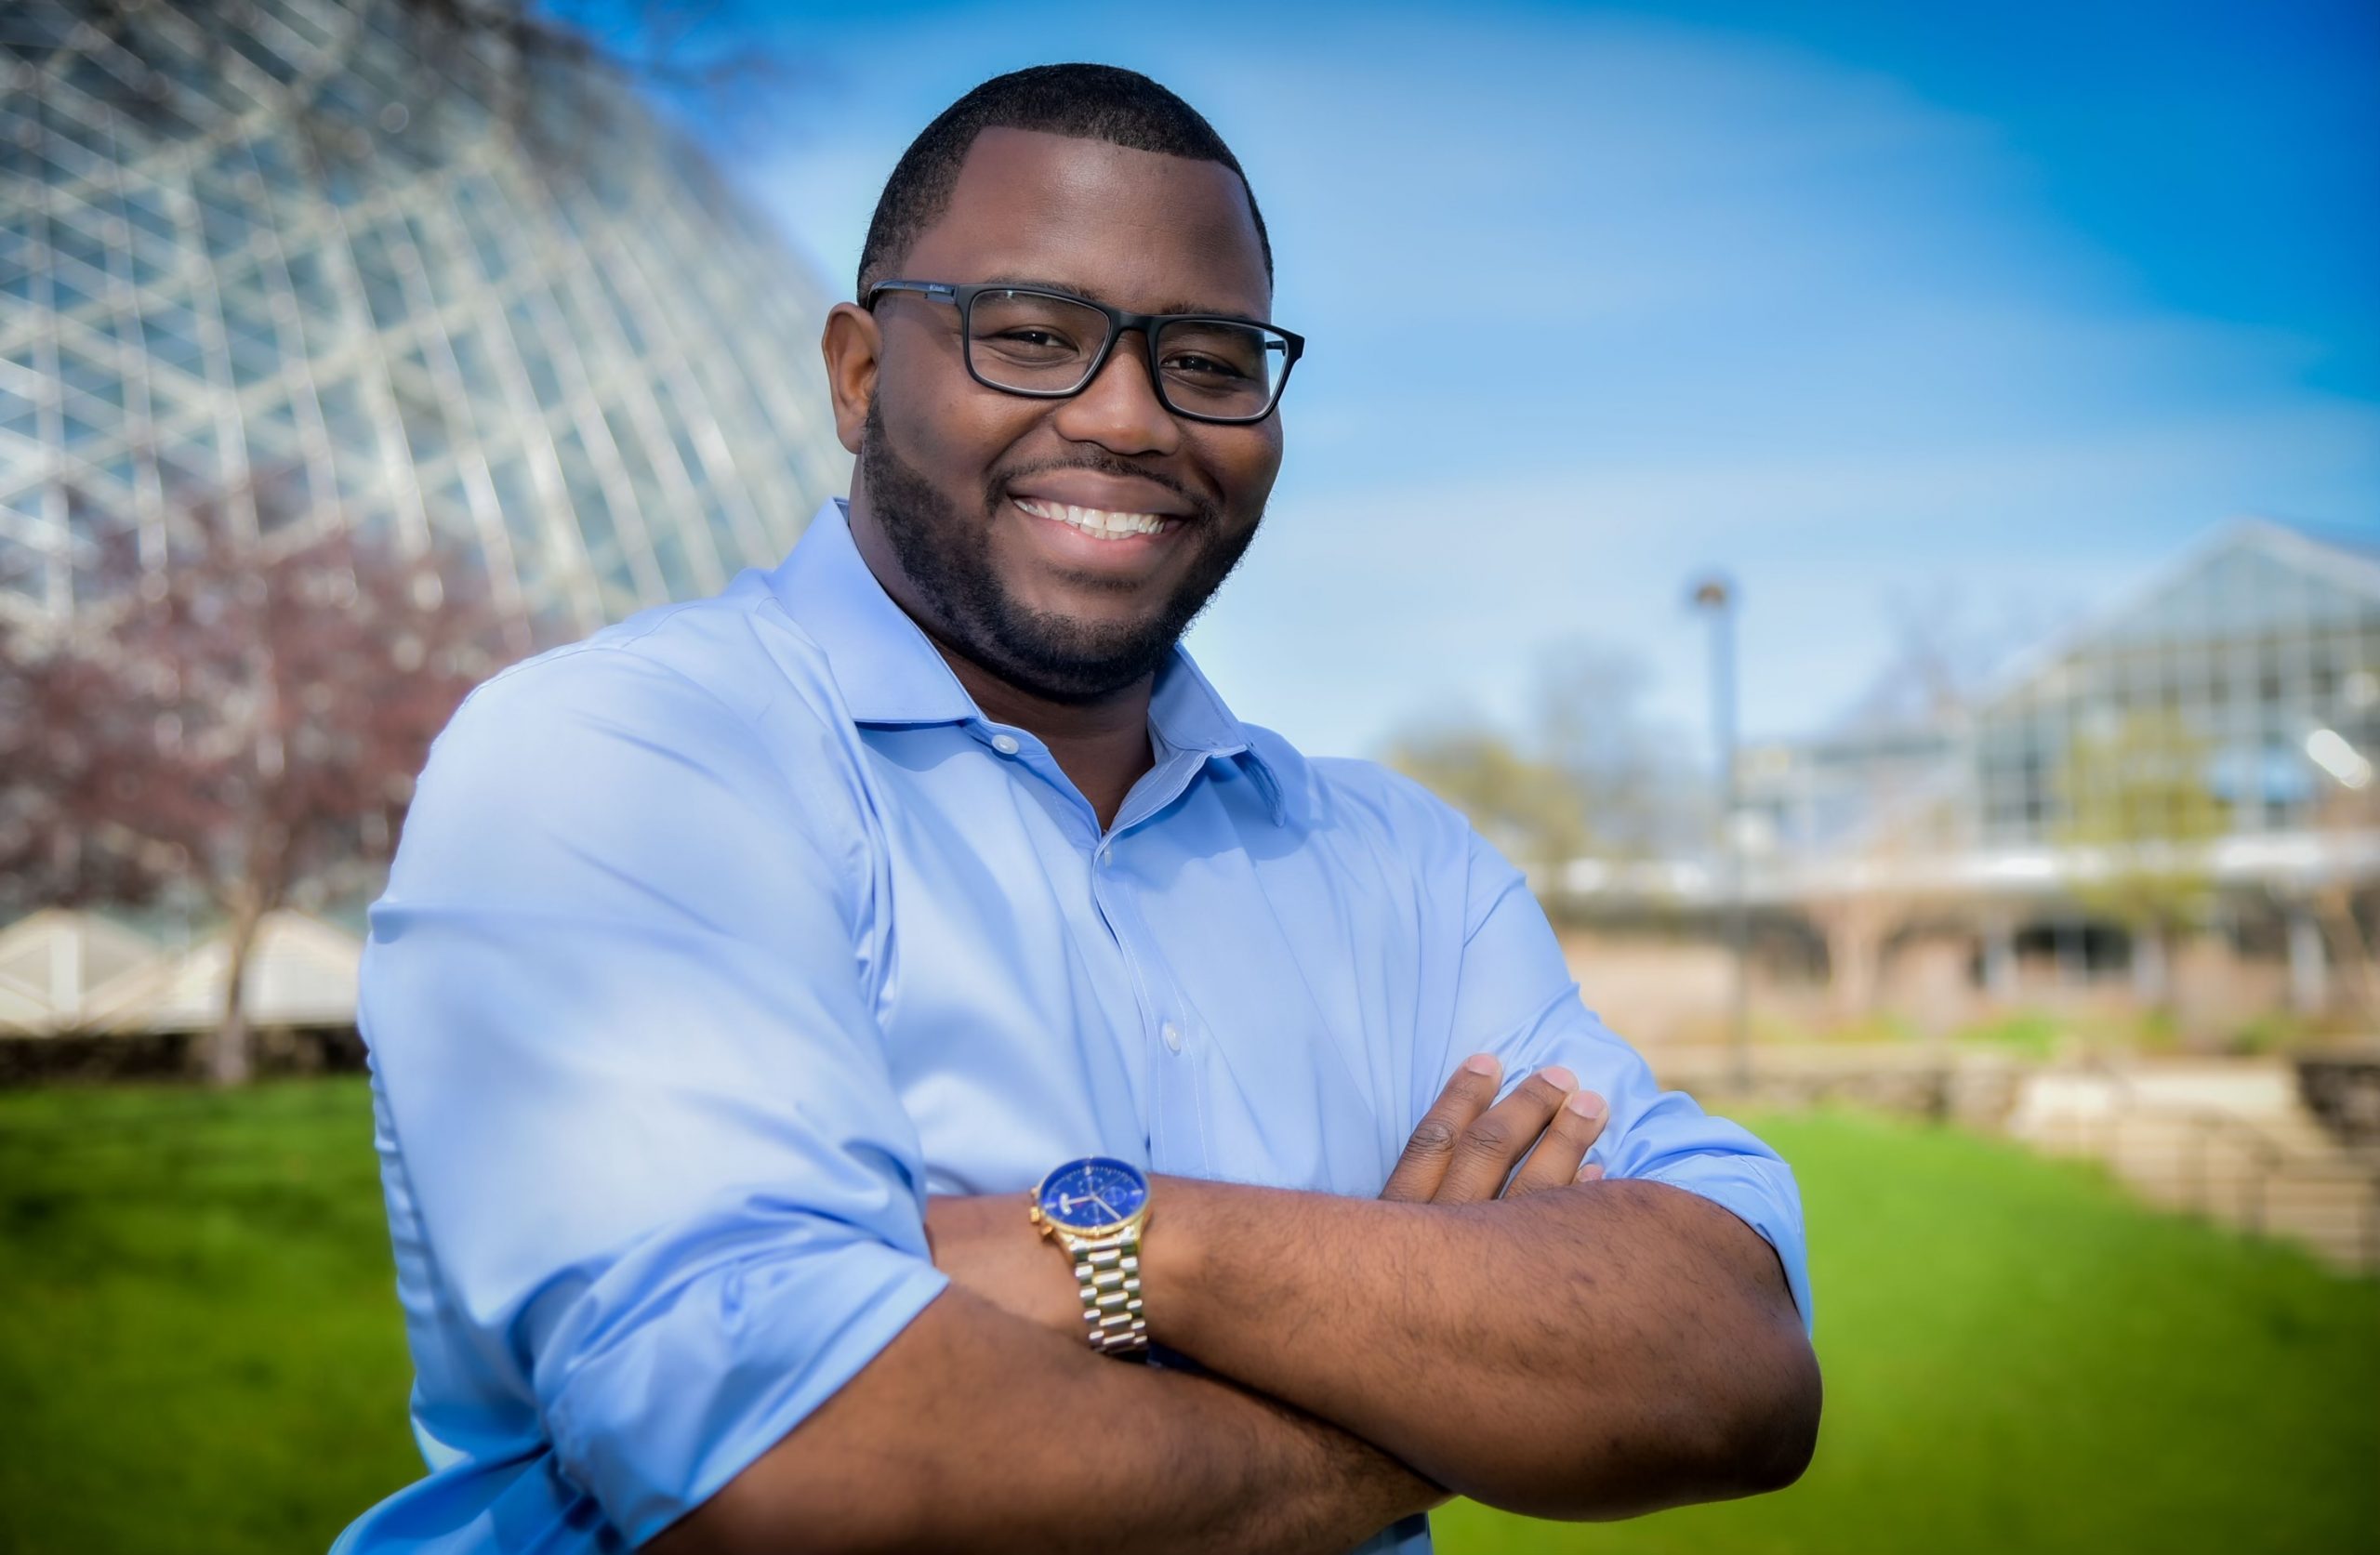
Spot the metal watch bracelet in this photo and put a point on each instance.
(1107, 1270)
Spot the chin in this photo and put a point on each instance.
(1022, 613)
(1072, 658)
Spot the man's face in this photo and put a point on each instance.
(969, 487)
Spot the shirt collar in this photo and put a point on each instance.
(891, 674)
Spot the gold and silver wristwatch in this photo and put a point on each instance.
(1094, 1209)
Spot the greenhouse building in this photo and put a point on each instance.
(338, 262)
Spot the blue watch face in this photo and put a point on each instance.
(1101, 1191)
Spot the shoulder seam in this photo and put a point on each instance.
(626, 646)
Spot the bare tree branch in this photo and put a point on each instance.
(242, 723)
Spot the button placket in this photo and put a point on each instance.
(1176, 1133)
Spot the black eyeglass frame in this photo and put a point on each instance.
(1119, 320)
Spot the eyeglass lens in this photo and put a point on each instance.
(1044, 344)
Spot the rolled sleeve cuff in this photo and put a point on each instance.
(1762, 1193)
(661, 1420)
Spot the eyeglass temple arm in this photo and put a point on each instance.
(930, 288)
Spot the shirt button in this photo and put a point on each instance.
(1173, 1035)
(1107, 854)
(1004, 744)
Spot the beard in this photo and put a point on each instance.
(947, 555)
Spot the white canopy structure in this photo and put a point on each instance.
(64, 972)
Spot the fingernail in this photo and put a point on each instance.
(1586, 1103)
(1591, 1173)
(1482, 1064)
(1560, 1076)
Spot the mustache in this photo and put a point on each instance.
(995, 486)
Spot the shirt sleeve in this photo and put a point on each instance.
(669, 1197)
(1516, 998)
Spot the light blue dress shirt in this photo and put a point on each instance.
(719, 941)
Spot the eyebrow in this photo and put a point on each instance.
(1037, 284)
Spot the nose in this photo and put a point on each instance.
(1118, 409)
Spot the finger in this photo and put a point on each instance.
(1487, 1151)
(1591, 1173)
(1563, 1145)
(1426, 1154)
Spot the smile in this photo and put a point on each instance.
(1097, 522)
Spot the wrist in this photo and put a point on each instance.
(1175, 1255)
(1095, 1209)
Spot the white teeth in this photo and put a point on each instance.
(1094, 520)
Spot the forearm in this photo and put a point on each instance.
(976, 1429)
(1590, 1352)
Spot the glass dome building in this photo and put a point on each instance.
(330, 262)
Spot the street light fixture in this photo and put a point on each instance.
(1715, 596)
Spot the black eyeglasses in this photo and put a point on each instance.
(1048, 345)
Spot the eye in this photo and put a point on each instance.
(1202, 364)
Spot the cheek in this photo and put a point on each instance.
(951, 428)
(1246, 461)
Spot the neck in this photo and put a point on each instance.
(1102, 744)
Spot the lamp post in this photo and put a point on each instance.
(1715, 596)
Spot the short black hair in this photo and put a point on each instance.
(1088, 102)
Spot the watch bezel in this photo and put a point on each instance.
(1054, 1227)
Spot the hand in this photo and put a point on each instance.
(986, 1245)
(1466, 1144)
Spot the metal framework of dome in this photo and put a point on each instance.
(327, 262)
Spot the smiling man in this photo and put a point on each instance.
(829, 1038)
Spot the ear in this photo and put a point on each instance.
(850, 345)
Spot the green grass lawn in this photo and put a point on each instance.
(2019, 1359)
(200, 1346)
(200, 1350)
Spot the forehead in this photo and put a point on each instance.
(1134, 228)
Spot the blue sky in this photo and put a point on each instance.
(1980, 313)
